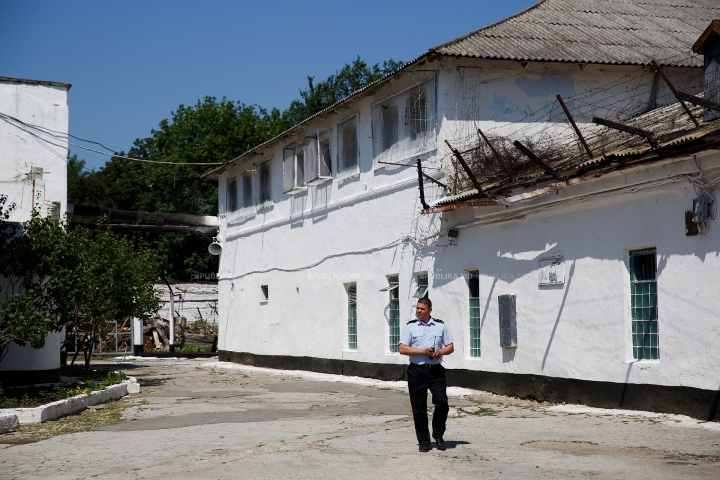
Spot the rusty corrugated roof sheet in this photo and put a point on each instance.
(594, 31)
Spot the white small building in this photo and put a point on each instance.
(33, 175)
(327, 242)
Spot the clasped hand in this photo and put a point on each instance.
(432, 354)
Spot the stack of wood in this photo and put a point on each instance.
(157, 334)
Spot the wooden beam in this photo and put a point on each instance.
(421, 187)
(675, 92)
(698, 101)
(497, 155)
(626, 128)
(529, 153)
(574, 125)
(465, 167)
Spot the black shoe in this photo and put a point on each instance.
(424, 447)
(440, 443)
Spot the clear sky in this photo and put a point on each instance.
(131, 63)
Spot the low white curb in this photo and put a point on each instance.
(69, 406)
(8, 423)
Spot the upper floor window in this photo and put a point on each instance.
(232, 194)
(294, 168)
(247, 190)
(318, 165)
(347, 133)
(265, 170)
(404, 124)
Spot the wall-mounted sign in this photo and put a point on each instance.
(551, 270)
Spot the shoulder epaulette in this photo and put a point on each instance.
(411, 321)
(439, 321)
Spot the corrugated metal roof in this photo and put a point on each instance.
(583, 31)
(594, 31)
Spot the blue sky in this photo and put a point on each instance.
(131, 63)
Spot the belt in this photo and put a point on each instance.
(426, 366)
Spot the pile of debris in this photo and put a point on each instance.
(200, 334)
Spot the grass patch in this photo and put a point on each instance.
(93, 417)
(29, 397)
(481, 411)
(192, 349)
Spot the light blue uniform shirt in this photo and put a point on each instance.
(422, 335)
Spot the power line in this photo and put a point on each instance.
(28, 127)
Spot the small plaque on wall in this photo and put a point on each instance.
(551, 270)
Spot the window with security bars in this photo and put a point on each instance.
(474, 290)
(352, 317)
(247, 190)
(644, 304)
(404, 124)
(394, 312)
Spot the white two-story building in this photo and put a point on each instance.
(569, 277)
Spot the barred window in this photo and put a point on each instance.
(644, 304)
(232, 195)
(474, 294)
(347, 144)
(352, 317)
(393, 312)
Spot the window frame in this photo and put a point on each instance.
(317, 170)
(290, 159)
(474, 332)
(263, 203)
(340, 162)
(421, 288)
(396, 152)
(642, 292)
(351, 337)
(393, 290)
(231, 185)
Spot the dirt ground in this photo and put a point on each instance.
(206, 419)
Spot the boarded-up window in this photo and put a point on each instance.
(347, 145)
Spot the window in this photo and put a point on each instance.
(265, 293)
(474, 291)
(294, 168)
(404, 124)
(232, 195)
(421, 279)
(393, 312)
(265, 184)
(644, 304)
(352, 317)
(247, 190)
(317, 156)
(347, 145)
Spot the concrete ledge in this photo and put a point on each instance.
(693, 402)
(72, 405)
(9, 423)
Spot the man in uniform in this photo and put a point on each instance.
(426, 340)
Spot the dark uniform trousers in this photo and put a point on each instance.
(420, 380)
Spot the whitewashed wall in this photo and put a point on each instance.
(364, 227)
(45, 106)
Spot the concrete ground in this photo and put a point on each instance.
(203, 419)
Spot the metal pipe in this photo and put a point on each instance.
(421, 187)
(465, 167)
(675, 92)
(574, 125)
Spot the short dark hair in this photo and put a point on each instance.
(426, 302)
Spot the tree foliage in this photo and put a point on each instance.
(210, 131)
(80, 277)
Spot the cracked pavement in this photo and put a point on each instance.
(204, 419)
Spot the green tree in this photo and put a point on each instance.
(319, 96)
(101, 277)
(82, 278)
